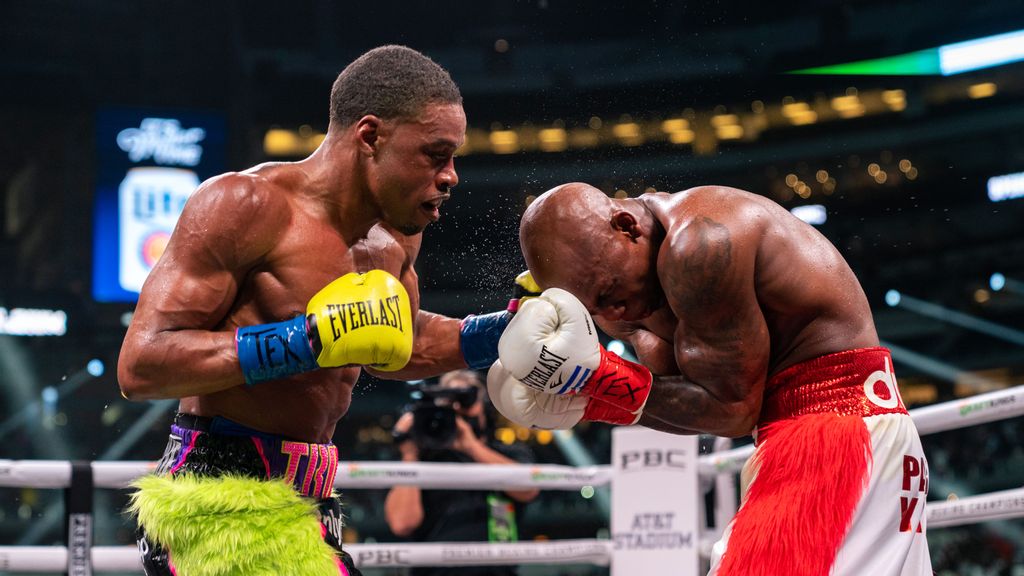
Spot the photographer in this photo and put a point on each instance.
(449, 424)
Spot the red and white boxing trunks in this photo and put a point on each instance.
(839, 477)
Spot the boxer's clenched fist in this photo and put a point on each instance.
(551, 346)
(530, 408)
(358, 319)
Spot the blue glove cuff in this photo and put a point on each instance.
(478, 337)
(273, 351)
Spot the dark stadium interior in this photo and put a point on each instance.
(925, 227)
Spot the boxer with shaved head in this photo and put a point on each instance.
(744, 320)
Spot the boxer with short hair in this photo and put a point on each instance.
(279, 284)
(744, 320)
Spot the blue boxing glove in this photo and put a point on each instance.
(479, 334)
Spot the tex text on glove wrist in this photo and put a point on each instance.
(358, 319)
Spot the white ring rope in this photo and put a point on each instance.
(952, 415)
(979, 409)
(973, 509)
(430, 475)
(126, 558)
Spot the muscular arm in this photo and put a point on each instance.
(653, 351)
(435, 349)
(721, 341)
(174, 347)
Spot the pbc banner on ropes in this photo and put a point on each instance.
(149, 164)
(655, 503)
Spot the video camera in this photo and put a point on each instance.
(433, 414)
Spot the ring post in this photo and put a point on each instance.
(655, 492)
(78, 519)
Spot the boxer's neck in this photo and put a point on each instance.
(336, 181)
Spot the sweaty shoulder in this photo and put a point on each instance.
(386, 249)
(712, 238)
(244, 210)
(703, 217)
(721, 202)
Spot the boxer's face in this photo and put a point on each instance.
(626, 288)
(413, 170)
(618, 281)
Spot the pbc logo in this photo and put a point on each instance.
(636, 460)
(382, 557)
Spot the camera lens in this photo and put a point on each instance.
(433, 427)
(467, 396)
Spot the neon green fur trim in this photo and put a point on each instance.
(232, 526)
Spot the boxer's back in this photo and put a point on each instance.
(810, 298)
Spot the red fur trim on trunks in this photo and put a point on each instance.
(811, 472)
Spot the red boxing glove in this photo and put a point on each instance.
(551, 346)
(618, 390)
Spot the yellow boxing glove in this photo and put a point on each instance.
(524, 289)
(359, 319)
(363, 319)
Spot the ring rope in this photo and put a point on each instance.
(429, 475)
(951, 415)
(1002, 505)
(126, 558)
(979, 409)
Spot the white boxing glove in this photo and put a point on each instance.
(551, 346)
(530, 408)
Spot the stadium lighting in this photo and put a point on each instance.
(813, 214)
(1006, 187)
(946, 60)
(981, 53)
(998, 282)
(892, 298)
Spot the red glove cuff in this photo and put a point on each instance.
(619, 382)
(598, 411)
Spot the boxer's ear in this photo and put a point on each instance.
(625, 223)
(368, 132)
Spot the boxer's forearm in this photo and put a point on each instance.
(685, 405)
(435, 349)
(654, 352)
(178, 363)
(653, 423)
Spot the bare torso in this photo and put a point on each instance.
(309, 253)
(810, 299)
